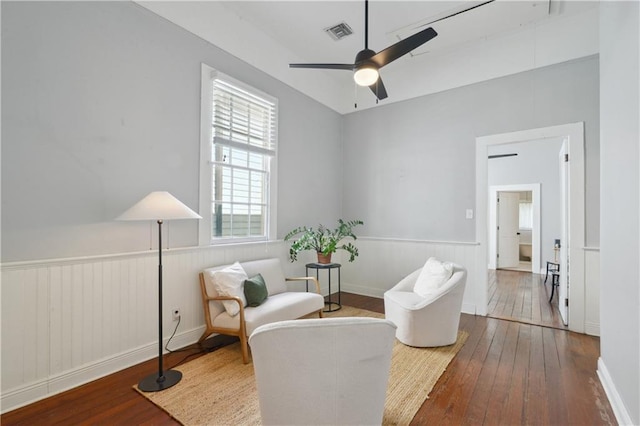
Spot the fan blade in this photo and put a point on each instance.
(348, 67)
(403, 47)
(378, 89)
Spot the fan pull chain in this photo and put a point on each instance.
(355, 95)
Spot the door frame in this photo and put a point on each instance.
(574, 133)
(493, 223)
(563, 287)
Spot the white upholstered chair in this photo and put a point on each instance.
(430, 321)
(323, 371)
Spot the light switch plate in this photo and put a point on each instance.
(469, 214)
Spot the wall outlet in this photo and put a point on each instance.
(176, 314)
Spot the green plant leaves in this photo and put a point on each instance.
(323, 240)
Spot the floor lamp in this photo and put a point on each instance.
(159, 206)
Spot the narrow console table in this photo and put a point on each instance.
(328, 267)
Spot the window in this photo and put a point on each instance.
(239, 148)
(526, 215)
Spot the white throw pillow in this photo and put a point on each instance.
(433, 275)
(230, 282)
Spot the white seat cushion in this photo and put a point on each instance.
(434, 275)
(406, 299)
(279, 307)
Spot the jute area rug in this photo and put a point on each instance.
(218, 389)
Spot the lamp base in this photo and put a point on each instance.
(153, 383)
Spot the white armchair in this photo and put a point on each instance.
(426, 321)
(322, 371)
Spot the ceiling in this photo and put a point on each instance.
(496, 39)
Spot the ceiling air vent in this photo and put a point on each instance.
(339, 31)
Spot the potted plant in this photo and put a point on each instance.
(323, 240)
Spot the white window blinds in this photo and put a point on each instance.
(244, 144)
(242, 119)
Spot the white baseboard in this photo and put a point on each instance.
(592, 328)
(469, 308)
(35, 391)
(362, 290)
(620, 411)
(24, 395)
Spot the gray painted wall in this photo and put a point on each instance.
(536, 162)
(101, 105)
(620, 207)
(410, 166)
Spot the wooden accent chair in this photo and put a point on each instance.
(281, 304)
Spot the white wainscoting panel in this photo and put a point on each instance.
(384, 262)
(66, 322)
(69, 321)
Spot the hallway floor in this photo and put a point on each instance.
(522, 296)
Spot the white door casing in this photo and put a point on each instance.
(508, 226)
(565, 241)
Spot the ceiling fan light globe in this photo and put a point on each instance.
(366, 76)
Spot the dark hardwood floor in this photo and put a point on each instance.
(507, 373)
(522, 296)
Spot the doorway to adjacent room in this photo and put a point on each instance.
(514, 227)
(573, 136)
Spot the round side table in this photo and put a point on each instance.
(328, 267)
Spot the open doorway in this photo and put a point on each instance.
(514, 214)
(573, 134)
(524, 252)
(517, 290)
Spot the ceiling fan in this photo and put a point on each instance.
(367, 63)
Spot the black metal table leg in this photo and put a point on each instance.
(328, 266)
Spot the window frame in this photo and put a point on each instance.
(205, 234)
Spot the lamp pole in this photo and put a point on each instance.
(156, 205)
(163, 379)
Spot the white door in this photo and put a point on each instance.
(563, 289)
(508, 239)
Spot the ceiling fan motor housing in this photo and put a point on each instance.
(363, 55)
(365, 70)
